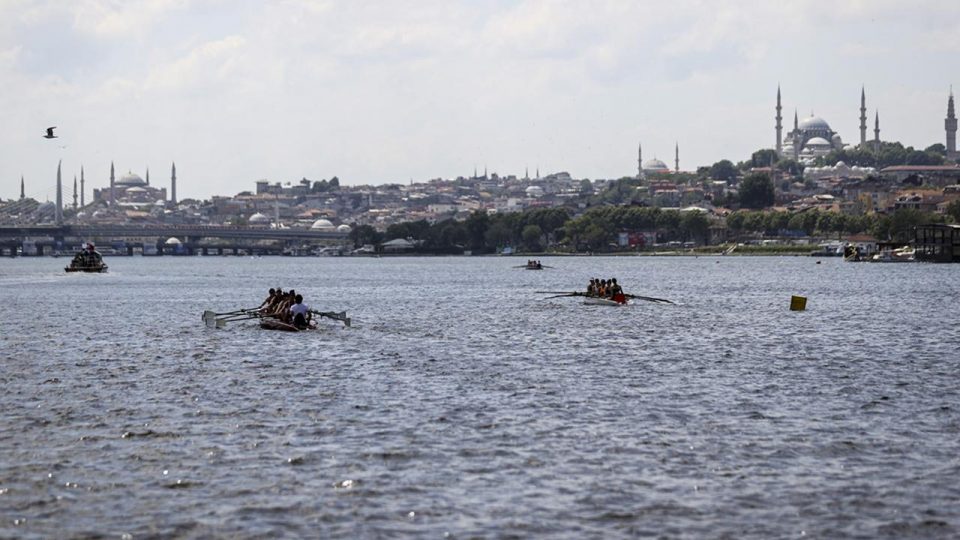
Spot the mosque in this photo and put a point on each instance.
(131, 190)
(655, 166)
(813, 137)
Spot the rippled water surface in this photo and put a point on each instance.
(462, 403)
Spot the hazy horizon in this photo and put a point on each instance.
(380, 92)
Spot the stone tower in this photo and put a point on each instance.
(113, 200)
(876, 133)
(676, 158)
(59, 210)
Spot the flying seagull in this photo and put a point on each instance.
(50, 134)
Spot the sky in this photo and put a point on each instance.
(234, 91)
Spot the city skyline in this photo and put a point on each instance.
(384, 93)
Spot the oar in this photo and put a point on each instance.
(342, 316)
(220, 323)
(563, 295)
(559, 292)
(648, 299)
(208, 314)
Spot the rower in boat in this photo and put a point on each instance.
(300, 314)
(616, 293)
(266, 303)
(592, 287)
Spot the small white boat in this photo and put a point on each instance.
(594, 301)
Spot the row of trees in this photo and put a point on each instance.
(897, 226)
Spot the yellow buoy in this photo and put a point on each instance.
(798, 303)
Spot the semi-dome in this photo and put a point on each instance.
(655, 165)
(259, 218)
(344, 228)
(818, 141)
(322, 225)
(173, 241)
(814, 122)
(131, 179)
(136, 190)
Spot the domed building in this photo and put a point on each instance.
(133, 192)
(655, 166)
(813, 137)
(258, 219)
(322, 225)
(344, 228)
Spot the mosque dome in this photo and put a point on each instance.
(173, 241)
(841, 165)
(136, 190)
(818, 141)
(534, 191)
(131, 179)
(344, 228)
(322, 225)
(655, 165)
(258, 218)
(814, 123)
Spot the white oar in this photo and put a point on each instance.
(342, 316)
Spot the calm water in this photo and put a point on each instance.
(462, 404)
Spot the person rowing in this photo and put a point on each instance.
(266, 303)
(616, 292)
(300, 313)
(592, 287)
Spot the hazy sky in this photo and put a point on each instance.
(375, 92)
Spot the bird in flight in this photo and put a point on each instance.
(50, 134)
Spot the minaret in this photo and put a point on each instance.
(676, 159)
(876, 133)
(173, 185)
(640, 161)
(22, 194)
(59, 214)
(82, 204)
(148, 176)
(113, 200)
(951, 126)
(526, 173)
(74, 192)
(779, 144)
(863, 117)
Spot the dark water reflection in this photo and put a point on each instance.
(462, 403)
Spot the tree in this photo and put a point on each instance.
(764, 157)
(695, 226)
(364, 234)
(723, 170)
(953, 210)
(476, 226)
(531, 237)
(756, 191)
(586, 187)
(937, 148)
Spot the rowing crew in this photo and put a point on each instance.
(606, 288)
(534, 265)
(288, 307)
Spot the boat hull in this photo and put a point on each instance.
(592, 301)
(90, 269)
(274, 324)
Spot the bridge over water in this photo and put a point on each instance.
(218, 238)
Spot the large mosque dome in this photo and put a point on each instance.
(131, 179)
(814, 123)
(655, 165)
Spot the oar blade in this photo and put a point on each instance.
(207, 314)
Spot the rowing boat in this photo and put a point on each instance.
(276, 324)
(596, 301)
